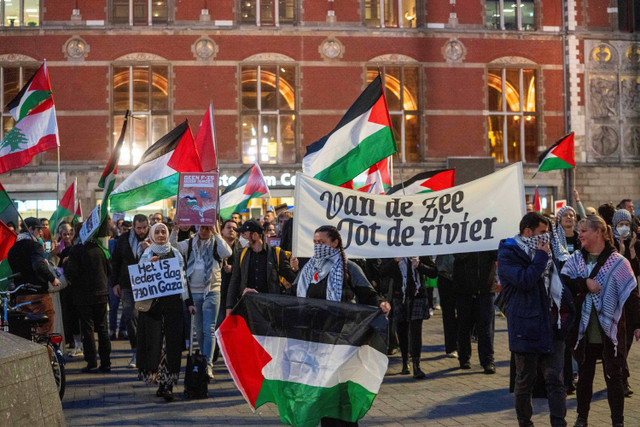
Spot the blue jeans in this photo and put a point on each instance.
(205, 322)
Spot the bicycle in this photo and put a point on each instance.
(25, 324)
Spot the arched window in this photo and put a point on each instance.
(144, 90)
(268, 119)
(512, 120)
(402, 88)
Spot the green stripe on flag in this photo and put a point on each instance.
(32, 101)
(145, 194)
(554, 163)
(369, 152)
(347, 401)
(225, 213)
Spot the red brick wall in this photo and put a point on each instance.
(346, 10)
(455, 136)
(83, 138)
(197, 86)
(450, 89)
(80, 88)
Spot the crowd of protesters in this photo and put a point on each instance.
(569, 293)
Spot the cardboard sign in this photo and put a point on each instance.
(91, 225)
(197, 199)
(156, 279)
(467, 218)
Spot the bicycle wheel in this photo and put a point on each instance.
(57, 366)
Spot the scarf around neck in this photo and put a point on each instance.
(156, 248)
(405, 266)
(326, 261)
(201, 250)
(136, 248)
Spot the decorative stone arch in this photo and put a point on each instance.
(140, 57)
(269, 57)
(395, 58)
(513, 60)
(16, 57)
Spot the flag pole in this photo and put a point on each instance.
(215, 153)
(58, 177)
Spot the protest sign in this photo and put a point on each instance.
(559, 204)
(197, 199)
(467, 218)
(273, 241)
(90, 225)
(156, 279)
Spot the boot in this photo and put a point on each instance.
(417, 373)
(405, 367)
(168, 393)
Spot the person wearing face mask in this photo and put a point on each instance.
(539, 312)
(625, 241)
(258, 267)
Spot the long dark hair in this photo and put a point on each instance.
(334, 234)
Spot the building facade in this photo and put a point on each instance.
(474, 78)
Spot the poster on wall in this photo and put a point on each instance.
(197, 199)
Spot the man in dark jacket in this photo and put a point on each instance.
(87, 270)
(474, 276)
(536, 337)
(128, 250)
(257, 268)
(27, 257)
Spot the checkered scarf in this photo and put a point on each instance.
(559, 238)
(552, 283)
(326, 261)
(201, 250)
(405, 267)
(617, 281)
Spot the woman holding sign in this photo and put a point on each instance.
(160, 322)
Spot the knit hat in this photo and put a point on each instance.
(621, 215)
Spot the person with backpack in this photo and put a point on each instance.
(258, 268)
(204, 253)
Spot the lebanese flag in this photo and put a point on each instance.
(426, 182)
(35, 133)
(157, 175)
(206, 142)
(7, 239)
(313, 358)
(37, 89)
(559, 156)
(66, 208)
(236, 196)
(361, 139)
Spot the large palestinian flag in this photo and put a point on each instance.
(559, 156)
(362, 138)
(426, 182)
(312, 358)
(237, 195)
(156, 176)
(31, 95)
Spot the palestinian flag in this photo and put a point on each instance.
(66, 208)
(559, 156)
(206, 142)
(377, 178)
(35, 133)
(157, 177)
(312, 358)
(31, 95)
(8, 211)
(77, 217)
(7, 239)
(362, 138)
(108, 178)
(237, 195)
(426, 182)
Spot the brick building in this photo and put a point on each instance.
(472, 78)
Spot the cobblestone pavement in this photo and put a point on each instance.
(447, 397)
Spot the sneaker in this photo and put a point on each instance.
(581, 422)
(105, 369)
(132, 362)
(89, 370)
(465, 365)
(430, 312)
(490, 368)
(210, 372)
(453, 355)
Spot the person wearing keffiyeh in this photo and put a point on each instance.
(408, 296)
(539, 312)
(605, 289)
(160, 323)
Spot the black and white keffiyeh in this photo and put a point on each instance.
(136, 247)
(326, 261)
(405, 266)
(201, 250)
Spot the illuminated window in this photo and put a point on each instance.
(390, 13)
(267, 13)
(143, 90)
(140, 12)
(510, 14)
(402, 86)
(513, 124)
(268, 121)
(20, 13)
(12, 78)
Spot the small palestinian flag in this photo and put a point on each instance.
(426, 182)
(66, 208)
(237, 195)
(313, 358)
(31, 95)
(8, 211)
(559, 156)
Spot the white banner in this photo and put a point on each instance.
(156, 279)
(467, 218)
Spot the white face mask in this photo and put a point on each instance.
(243, 242)
(623, 231)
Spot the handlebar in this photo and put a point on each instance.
(24, 286)
(11, 277)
